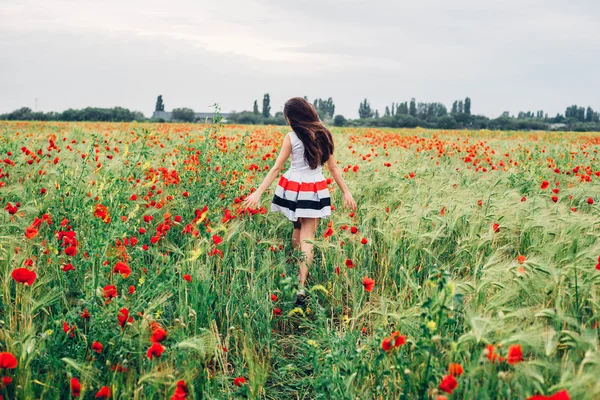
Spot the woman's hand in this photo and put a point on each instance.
(349, 201)
(252, 201)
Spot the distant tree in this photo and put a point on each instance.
(393, 109)
(325, 108)
(255, 107)
(468, 106)
(183, 114)
(377, 114)
(387, 112)
(266, 111)
(402, 109)
(455, 107)
(461, 107)
(413, 108)
(160, 106)
(339, 120)
(589, 114)
(364, 110)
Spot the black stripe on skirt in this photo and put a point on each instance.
(302, 204)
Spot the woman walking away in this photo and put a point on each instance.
(302, 193)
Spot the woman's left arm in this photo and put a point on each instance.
(253, 200)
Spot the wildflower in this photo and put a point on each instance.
(122, 269)
(181, 391)
(239, 381)
(455, 369)
(187, 277)
(364, 241)
(354, 230)
(496, 227)
(103, 393)
(590, 200)
(399, 340)
(277, 311)
(328, 233)
(155, 350)
(68, 267)
(545, 184)
(492, 355)
(387, 345)
(273, 297)
(8, 361)
(24, 276)
(448, 384)
(560, 395)
(521, 259)
(158, 334)
(85, 314)
(75, 387)
(368, 283)
(349, 263)
(217, 240)
(554, 199)
(123, 317)
(97, 347)
(109, 291)
(515, 354)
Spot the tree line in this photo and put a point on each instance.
(407, 114)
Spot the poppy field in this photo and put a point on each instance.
(129, 270)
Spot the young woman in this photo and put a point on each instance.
(302, 193)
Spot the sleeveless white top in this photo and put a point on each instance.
(299, 163)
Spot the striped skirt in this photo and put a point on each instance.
(300, 195)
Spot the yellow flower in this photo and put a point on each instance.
(295, 311)
(431, 325)
(312, 343)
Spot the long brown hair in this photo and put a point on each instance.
(304, 120)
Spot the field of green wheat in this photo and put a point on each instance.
(129, 270)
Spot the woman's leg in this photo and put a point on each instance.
(308, 229)
(296, 235)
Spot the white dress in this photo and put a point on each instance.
(301, 192)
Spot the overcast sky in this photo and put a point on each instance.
(505, 54)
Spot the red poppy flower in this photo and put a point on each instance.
(387, 345)
(590, 200)
(24, 276)
(97, 347)
(364, 241)
(554, 199)
(110, 291)
(155, 350)
(187, 277)
(561, 395)
(492, 355)
(217, 240)
(515, 354)
(75, 387)
(68, 267)
(277, 311)
(354, 229)
(273, 297)
(368, 283)
(455, 369)
(131, 289)
(181, 391)
(239, 381)
(123, 269)
(328, 233)
(71, 251)
(349, 263)
(545, 184)
(158, 335)
(523, 199)
(8, 361)
(148, 218)
(124, 317)
(521, 259)
(496, 227)
(448, 384)
(399, 340)
(85, 314)
(104, 393)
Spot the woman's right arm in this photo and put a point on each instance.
(336, 173)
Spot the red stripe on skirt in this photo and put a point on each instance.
(302, 187)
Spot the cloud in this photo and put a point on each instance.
(507, 55)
